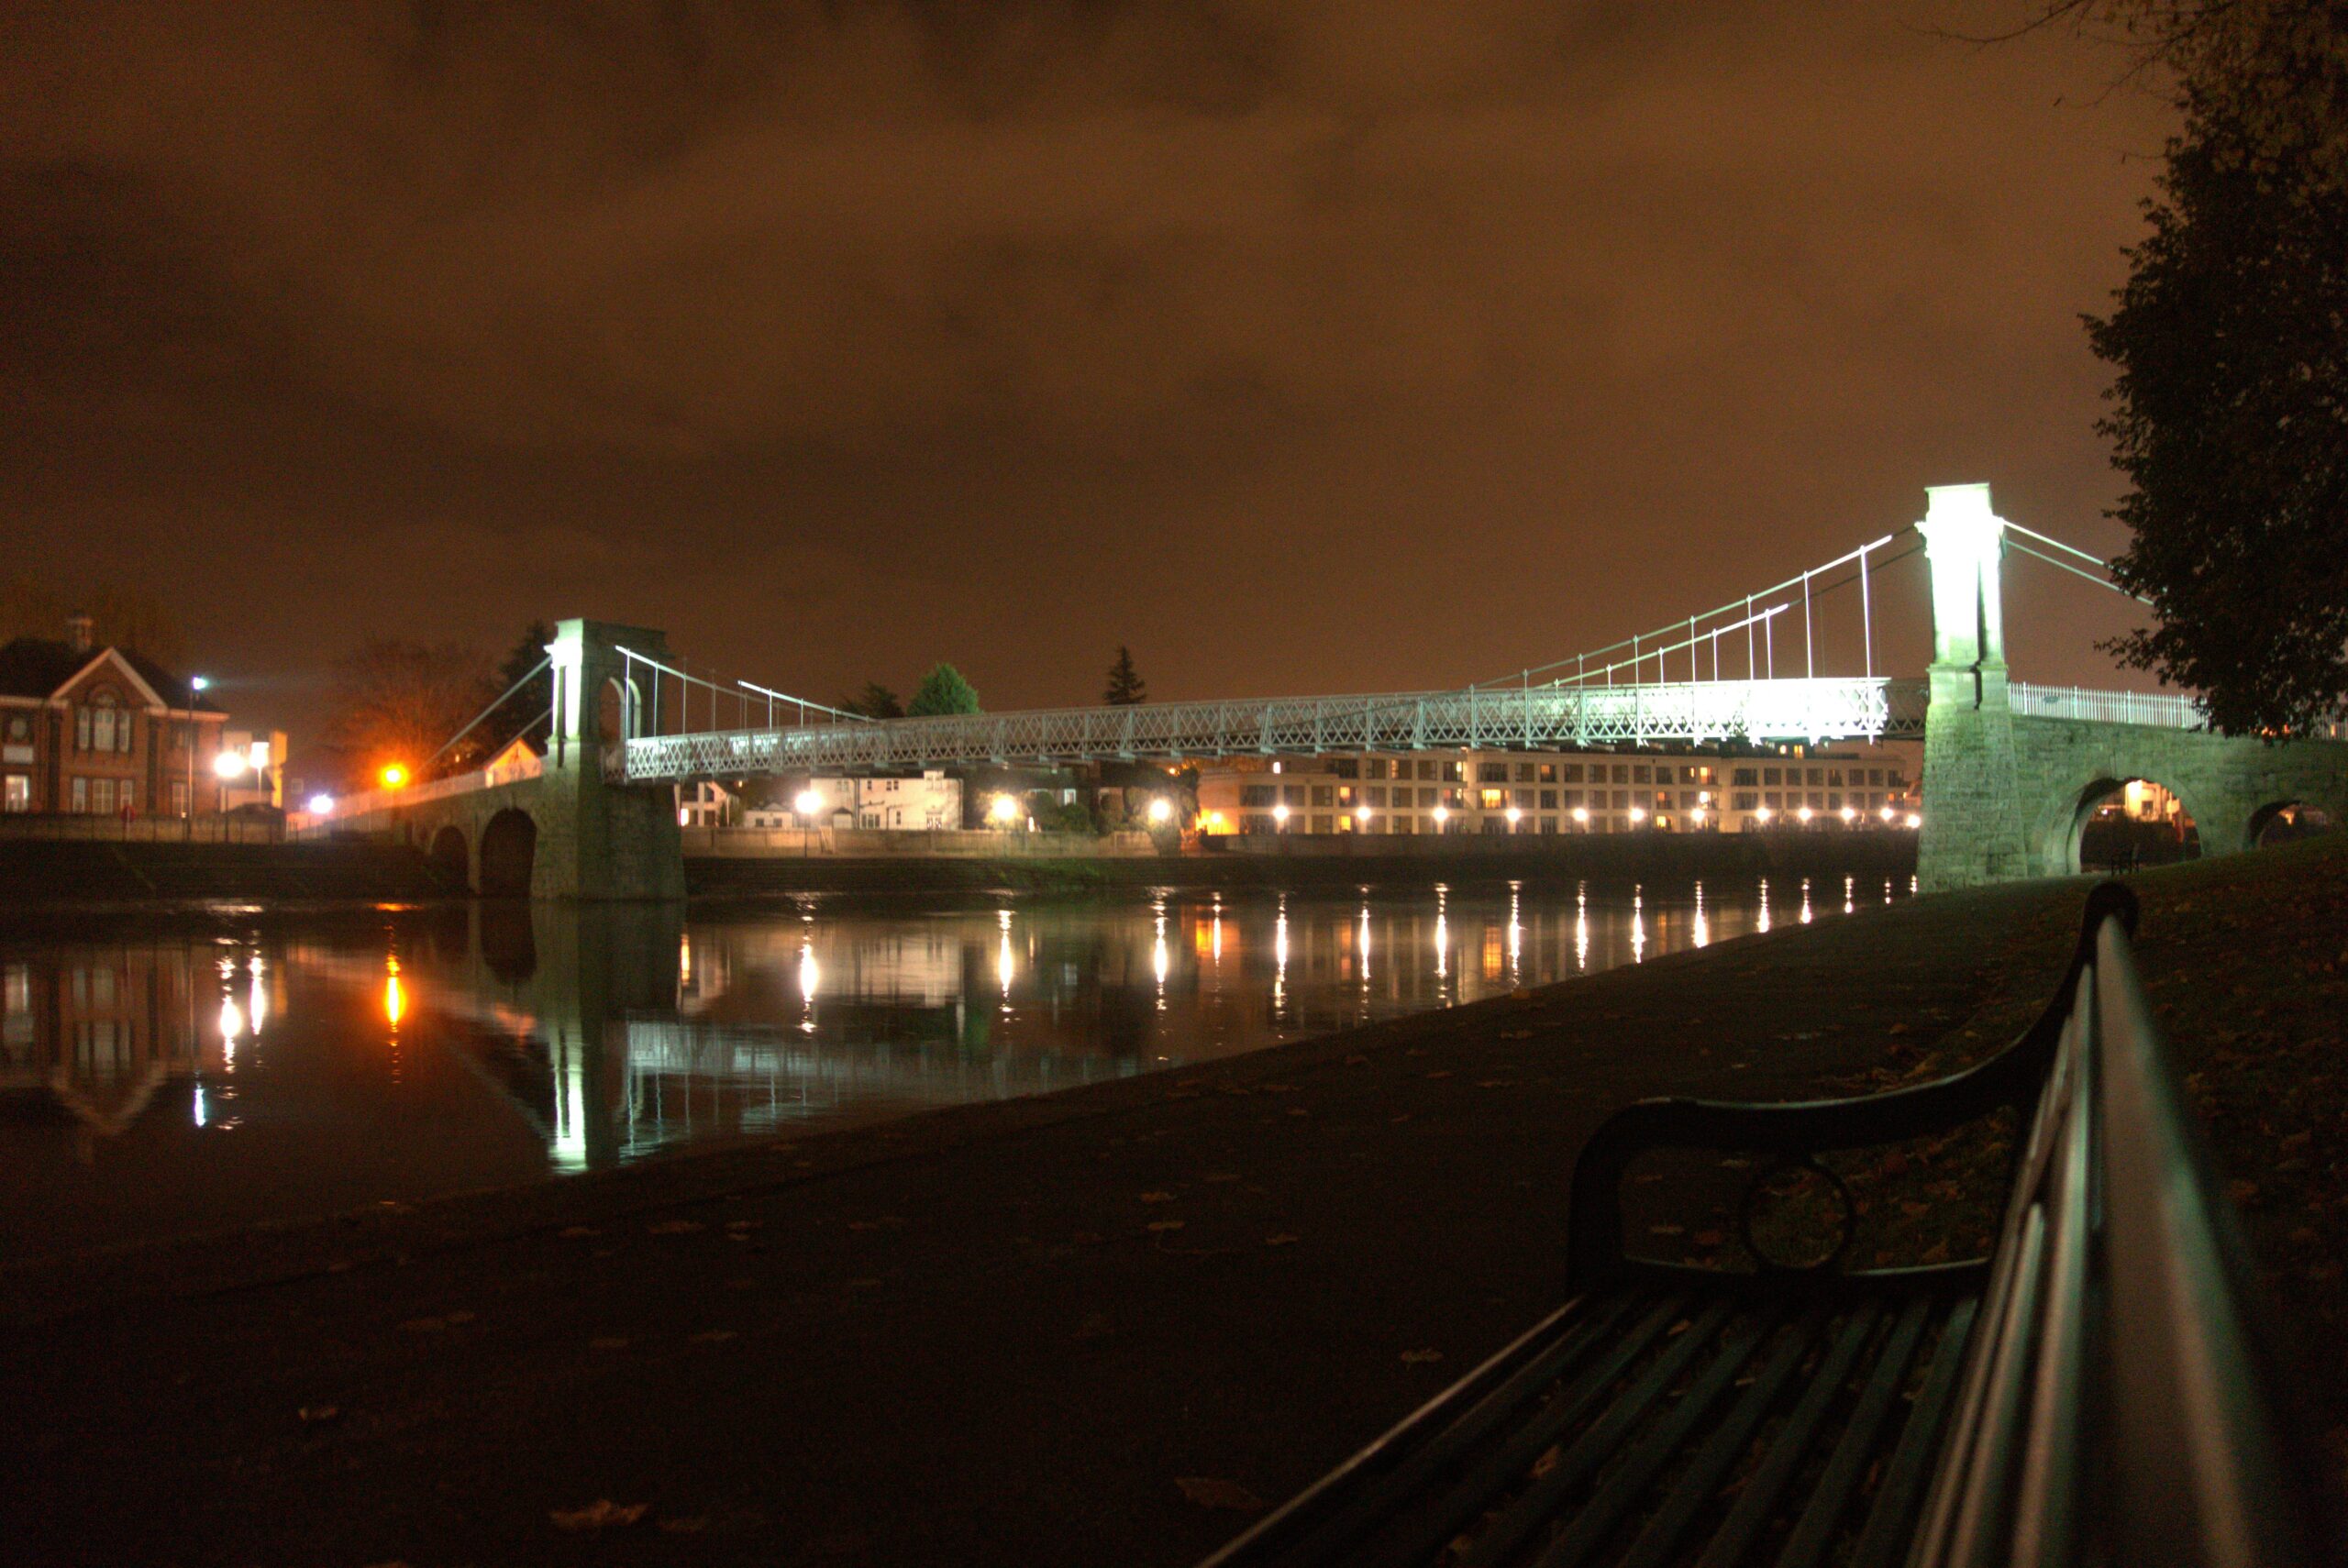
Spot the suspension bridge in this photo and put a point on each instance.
(2010, 769)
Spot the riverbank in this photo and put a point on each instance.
(1323, 862)
(1009, 1332)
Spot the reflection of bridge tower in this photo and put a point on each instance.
(1972, 829)
(596, 838)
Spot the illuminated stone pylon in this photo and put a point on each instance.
(597, 839)
(1973, 830)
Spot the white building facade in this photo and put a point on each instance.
(930, 803)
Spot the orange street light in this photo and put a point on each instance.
(394, 775)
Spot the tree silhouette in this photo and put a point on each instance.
(942, 690)
(876, 702)
(1125, 684)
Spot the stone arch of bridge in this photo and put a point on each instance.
(2054, 841)
(509, 843)
(2265, 816)
(451, 854)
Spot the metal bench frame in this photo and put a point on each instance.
(2101, 1390)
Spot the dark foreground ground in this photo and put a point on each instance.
(1080, 1329)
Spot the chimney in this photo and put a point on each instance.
(81, 631)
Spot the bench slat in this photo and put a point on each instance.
(1891, 1520)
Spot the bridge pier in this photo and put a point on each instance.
(2007, 793)
(598, 839)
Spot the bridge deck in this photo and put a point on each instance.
(1558, 717)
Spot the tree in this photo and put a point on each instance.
(1125, 684)
(2276, 70)
(526, 711)
(398, 701)
(942, 690)
(2230, 340)
(878, 702)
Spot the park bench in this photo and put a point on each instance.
(2099, 1390)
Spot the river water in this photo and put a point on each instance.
(167, 1075)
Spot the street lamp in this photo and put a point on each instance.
(1515, 815)
(1361, 816)
(1162, 810)
(1005, 810)
(1280, 815)
(808, 804)
(195, 685)
(1442, 815)
(1638, 815)
(1805, 815)
(394, 775)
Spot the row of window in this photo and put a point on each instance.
(1486, 826)
(1822, 777)
(92, 796)
(1452, 771)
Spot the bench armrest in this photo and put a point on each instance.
(2014, 1076)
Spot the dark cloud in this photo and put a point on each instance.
(1299, 345)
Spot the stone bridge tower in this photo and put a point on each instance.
(597, 839)
(1972, 831)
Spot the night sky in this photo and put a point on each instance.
(1339, 345)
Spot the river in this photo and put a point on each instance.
(174, 1074)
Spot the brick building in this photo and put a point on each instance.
(92, 729)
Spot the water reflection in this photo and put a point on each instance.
(188, 1081)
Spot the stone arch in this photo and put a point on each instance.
(2273, 813)
(509, 844)
(451, 855)
(2060, 829)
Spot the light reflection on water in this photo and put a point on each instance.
(186, 1080)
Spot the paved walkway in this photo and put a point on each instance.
(994, 1334)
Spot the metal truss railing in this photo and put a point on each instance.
(1525, 718)
(2153, 709)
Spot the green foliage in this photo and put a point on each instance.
(2230, 422)
(942, 690)
(1125, 684)
(876, 702)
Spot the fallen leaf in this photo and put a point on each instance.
(602, 1514)
(573, 1232)
(312, 1415)
(607, 1342)
(1356, 1062)
(1440, 1073)
(675, 1227)
(1211, 1492)
(714, 1336)
(691, 1524)
(1710, 1238)
(1165, 1225)
(1282, 1240)
(425, 1325)
(1220, 1175)
(1421, 1357)
(1157, 1197)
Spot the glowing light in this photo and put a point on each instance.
(1003, 961)
(1697, 816)
(229, 764)
(321, 805)
(684, 817)
(1514, 816)
(1361, 815)
(394, 775)
(394, 998)
(1638, 814)
(1442, 815)
(1161, 810)
(1915, 820)
(232, 1021)
(1804, 814)
(1280, 814)
(1885, 814)
(811, 974)
(1764, 814)
(1581, 815)
(1848, 814)
(1704, 933)
(809, 803)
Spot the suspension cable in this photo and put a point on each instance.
(484, 713)
(2090, 577)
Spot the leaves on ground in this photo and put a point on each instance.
(675, 1228)
(1421, 1357)
(601, 1514)
(1157, 1197)
(1213, 1492)
(1282, 1240)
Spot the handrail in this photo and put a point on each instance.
(2124, 1401)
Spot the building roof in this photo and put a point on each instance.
(39, 667)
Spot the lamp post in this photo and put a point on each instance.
(809, 803)
(195, 685)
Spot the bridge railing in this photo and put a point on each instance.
(365, 801)
(2154, 708)
(1523, 718)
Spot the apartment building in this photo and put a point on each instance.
(1560, 792)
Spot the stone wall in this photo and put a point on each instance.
(2005, 794)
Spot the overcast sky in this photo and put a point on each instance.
(1356, 344)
